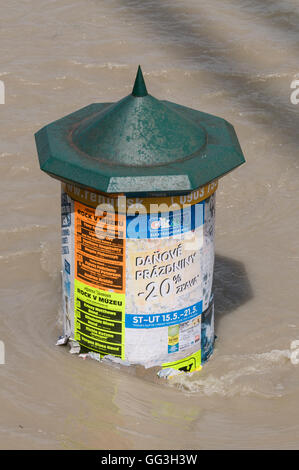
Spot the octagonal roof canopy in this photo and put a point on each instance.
(137, 145)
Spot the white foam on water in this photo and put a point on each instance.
(106, 65)
(18, 254)
(6, 154)
(235, 381)
(269, 76)
(23, 229)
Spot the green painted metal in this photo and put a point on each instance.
(139, 88)
(138, 145)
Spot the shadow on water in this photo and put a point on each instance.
(207, 42)
(275, 13)
(231, 286)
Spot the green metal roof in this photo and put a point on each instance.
(138, 144)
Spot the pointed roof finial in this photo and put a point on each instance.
(139, 88)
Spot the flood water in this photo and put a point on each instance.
(236, 59)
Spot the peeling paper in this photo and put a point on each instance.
(62, 340)
(74, 347)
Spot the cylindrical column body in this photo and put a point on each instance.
(138, 273)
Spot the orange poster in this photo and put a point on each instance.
(100, 261)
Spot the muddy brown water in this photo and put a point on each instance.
(233, 59)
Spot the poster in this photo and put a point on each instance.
(137, 283)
